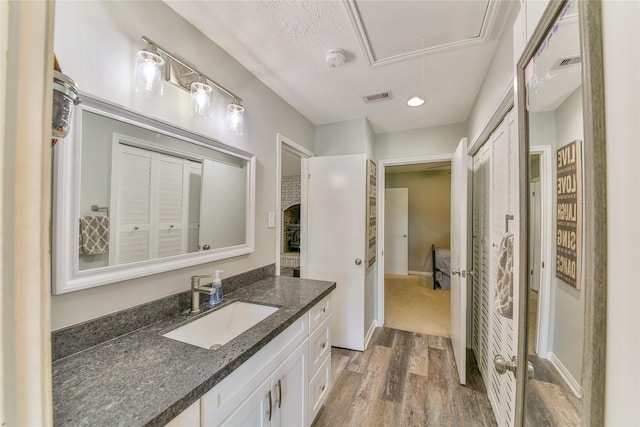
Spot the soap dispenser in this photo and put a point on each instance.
(217, 297)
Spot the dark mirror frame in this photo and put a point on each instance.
(595, 213)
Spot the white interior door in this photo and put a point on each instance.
(459, 186)
(396, 231)
(336, 245)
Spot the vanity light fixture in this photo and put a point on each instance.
(149, 73)
(201, 100)
(235, 118)
(155, 65)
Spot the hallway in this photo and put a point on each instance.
(403, 379)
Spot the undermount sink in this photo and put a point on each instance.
(222, 325)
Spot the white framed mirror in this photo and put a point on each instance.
(134, 196)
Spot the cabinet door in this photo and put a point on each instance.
(256, 410)
(289, 388)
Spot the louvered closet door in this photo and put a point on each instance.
(481, 258)
(170, 204)
(131, 219)
(494, 196)
(503, 202)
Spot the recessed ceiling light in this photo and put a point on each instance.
(415, 101)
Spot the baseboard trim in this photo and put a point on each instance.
(421, 273)
(566, 375)
(367, 337)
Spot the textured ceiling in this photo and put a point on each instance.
(283, 43)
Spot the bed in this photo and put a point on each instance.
(441, 267)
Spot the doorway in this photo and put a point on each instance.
(540, 241)
(418, 194)
(290, 219)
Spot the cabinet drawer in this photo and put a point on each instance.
(319, 312)
(319, 346)
(319, 388)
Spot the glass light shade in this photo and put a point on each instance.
(65, 96)
(149, 78)
(415, 101)
(201, 100)
(235, 118)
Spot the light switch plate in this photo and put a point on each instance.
(271, 222)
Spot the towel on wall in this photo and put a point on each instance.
(504, 286)
(94, 235)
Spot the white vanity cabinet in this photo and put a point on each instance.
(319, 356)
(273, 387)
(279, 400)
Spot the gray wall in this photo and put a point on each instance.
(419, 142)
(96, 43)
(347, 137)
(496, 82)
(429, 213)
(569, 301)
(558, 128)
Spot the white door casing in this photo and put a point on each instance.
(284, 143)
(459, 188)
(337, 240)
(396, 231)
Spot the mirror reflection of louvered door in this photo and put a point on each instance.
(151, 219)
(168, 216)
(131, 205)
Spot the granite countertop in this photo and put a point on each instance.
(143, 378)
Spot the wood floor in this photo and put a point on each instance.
(404, 379)
(549, 401)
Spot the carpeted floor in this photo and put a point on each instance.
(411, 304)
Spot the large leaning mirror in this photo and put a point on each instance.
(135, 196)
(562, 148)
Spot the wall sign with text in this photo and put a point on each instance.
(569, 213)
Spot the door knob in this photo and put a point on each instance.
(358, 261)
(455, 271)
(501, 366)
(404, 235)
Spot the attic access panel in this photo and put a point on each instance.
(394, 29)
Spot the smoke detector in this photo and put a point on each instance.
(335, 57)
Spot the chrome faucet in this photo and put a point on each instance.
(198, 288)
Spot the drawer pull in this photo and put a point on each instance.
(322, 388)
(324, 309)
(324, 344)
(270, 405)
(279, 394)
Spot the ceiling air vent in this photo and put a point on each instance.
(383, 96)
(566, 62)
